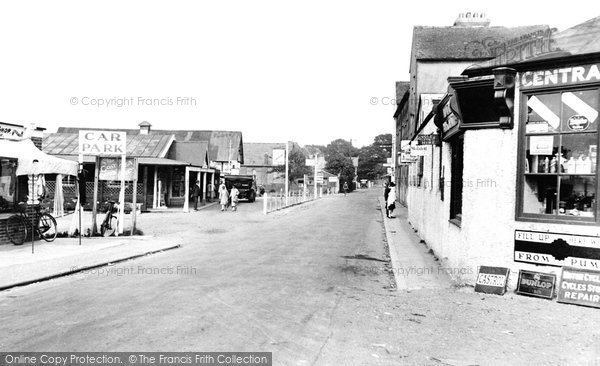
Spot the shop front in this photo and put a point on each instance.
(23, 168)
(517, 168)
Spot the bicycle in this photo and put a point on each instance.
(18, 226)
(110, 223)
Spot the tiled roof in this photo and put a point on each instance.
(260, 154)
(151, 146)
(581, 39)
(194, 152)
(401, 88)
(463, 43)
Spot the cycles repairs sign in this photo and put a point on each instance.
(492, 280)
(107, 143)
(580, 287)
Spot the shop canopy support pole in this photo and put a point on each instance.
(95, 202)
(134, 198)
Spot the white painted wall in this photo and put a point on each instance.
(486, 236)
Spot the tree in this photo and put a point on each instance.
(338, 155)
(297, 163)
(372, 157)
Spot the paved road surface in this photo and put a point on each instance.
(310, 284)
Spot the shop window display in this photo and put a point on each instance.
(561, 155)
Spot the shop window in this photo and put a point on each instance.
(560, 163)
(456, 179)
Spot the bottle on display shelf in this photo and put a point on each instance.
(553, 165)
(546, 165)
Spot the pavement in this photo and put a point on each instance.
(413, 265)
(64, 256)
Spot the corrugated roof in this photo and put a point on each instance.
(223, 145)
(463, 43)
(260, 154)
(152, 146)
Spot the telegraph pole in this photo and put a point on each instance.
(287, 168)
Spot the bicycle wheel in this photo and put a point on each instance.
(16, 230)
(109, 227)
(47, 227)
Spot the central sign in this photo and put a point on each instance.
(102, 143)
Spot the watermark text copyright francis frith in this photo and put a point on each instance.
(125, 102)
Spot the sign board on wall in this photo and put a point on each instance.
(579, 286)
(278, 157)
(536, 284)
(418, 150)
(10, 132)
(492, 280)
(102, 143)
(560, 76)
(431, 139)
(555, 249)
(110, 169)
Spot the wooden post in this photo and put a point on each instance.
(121, 224)
(155, 197)
(186, 196)
(265, 203)
(95, 202)
(287, 168)
(204, 176)
(134, 203)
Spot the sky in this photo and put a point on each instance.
(276, 70)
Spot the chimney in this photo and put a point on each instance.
(472, 19)
(144, 128)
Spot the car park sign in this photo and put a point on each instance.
(105, 143)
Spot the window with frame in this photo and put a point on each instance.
(559, 169)
(456, 178)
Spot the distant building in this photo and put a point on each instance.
(258, 161)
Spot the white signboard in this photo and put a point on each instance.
(418, 150)
(541, 145)
(10, 132)
(105, 143)
(278, 156)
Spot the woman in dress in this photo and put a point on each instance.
(223, 196)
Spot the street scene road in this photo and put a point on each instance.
(312, 284)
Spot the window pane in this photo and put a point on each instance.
(577, 196)
(541, 154)
(539, 194)
(580, 111)
(543, 113)
(579, 153)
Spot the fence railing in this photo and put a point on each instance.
(276, 200)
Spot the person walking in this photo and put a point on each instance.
(223, 196)
(234, 198)
(196, 194)
(386, 193)
(345, 188)
(391, 201)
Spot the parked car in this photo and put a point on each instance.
(244, 183)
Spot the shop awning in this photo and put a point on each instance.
(26, 152)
